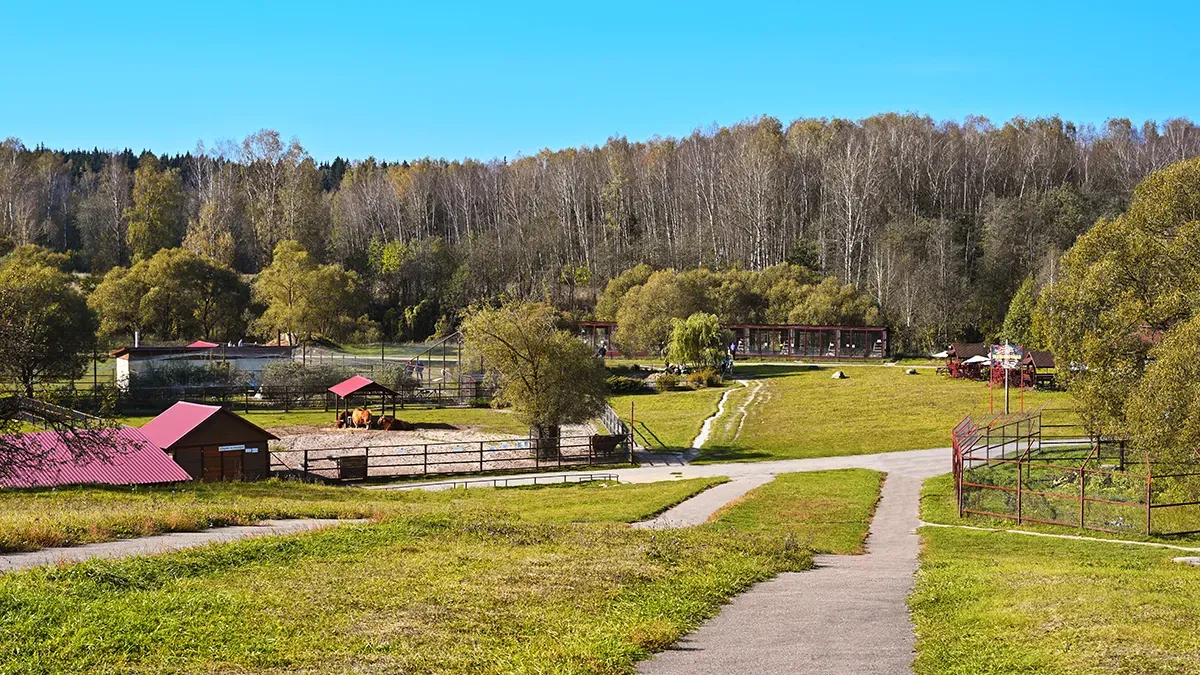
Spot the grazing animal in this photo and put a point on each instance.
(342, 420)
(362, 418)
(389, 423)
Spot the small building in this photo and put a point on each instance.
(788, 341)
(250, 358)
(122, 456)
(1037, 369)
(968, 360)
(211, 443)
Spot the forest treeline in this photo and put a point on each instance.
(939, 223)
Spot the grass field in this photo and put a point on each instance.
(827, 511)
(803, 412)
(995, 602)
(483, 419)
(670, 420)
(33, 519)
(486, 587)
(1005, 603)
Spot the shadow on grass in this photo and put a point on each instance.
(754, 371)
(726, 453)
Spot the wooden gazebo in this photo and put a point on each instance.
(364, 387)
(964, 360)
(1036, 369)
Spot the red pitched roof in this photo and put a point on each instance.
(181, 419)
(201, 344)
(108, 456)
(356, 384)
(176, 422)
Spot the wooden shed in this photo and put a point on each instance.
(965, 359)
(211, 443)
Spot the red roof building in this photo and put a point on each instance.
(203, 344)
(361, 386)
(90, 457)
(211, 443)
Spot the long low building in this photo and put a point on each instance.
(249, 358)
(788, 341)
(118, 456)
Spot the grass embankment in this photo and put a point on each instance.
(802, 412)
(484, 420)
(997, 602)
(487, 588)
(669, 420)
(827, 511)
(33, 519)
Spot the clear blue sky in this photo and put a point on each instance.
(493, 79)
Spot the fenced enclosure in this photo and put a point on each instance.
(1005, 467)
(424, 459)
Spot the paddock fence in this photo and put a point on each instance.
(1005, 467)
(360, 463)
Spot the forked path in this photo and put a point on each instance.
(847, 615)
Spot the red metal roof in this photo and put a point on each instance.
(202, 344)
(107, 456)
(356, 384)
(176, 422)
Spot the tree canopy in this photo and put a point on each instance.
(305, 299)
(697, 341)
(548, 376)
(47, 331)
(1119, 317)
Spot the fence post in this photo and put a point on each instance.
(425, 459)
(1148, 497)
(1082, 500)
(247, 403)
(1020, 485)
(481, 456)
(367, 461)
(306, 461)
(285, 398)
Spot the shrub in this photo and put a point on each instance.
(297, 376)
(624, 385)
(666, 381)
(181, 374)
(703, 378)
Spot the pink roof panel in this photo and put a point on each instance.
(121, 456)
(344, 389)
(176, 422)
(202, 344)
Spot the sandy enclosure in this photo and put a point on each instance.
(422, 451)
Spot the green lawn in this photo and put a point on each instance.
(670, 420)
(803, 412)
(493, 581)
(1006, 603)
(827, 511)
(483, 419)
(40, 518)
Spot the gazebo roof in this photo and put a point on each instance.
(359, 384)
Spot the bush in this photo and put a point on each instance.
(707, 377)
(398, 378)
(297, 376)
(624, 385)
(666, 381)
(182, 374)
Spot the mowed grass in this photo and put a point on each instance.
(802, 412)
(44, 518)
(669, 420)
(827, 511)
(990, 602)
(485, 420)
(484, 588)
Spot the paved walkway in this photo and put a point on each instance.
(162, 543)
(847, 615)
(698, 509)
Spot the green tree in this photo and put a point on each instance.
(47, 332)
(156, 217)
(1121, 288)
(546, 374)
(1018, 322)
(306, 299)
(697, 341)
(175, 294)
(609, 302)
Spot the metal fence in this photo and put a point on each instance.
(153, 400)
(1005, 468)
(422, 459)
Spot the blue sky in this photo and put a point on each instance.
(455, 79)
